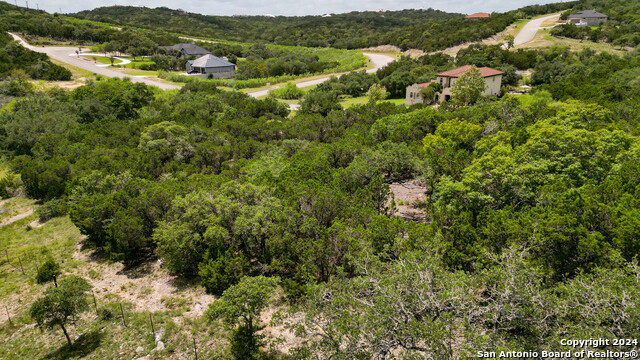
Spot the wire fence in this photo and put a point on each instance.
(15, 265)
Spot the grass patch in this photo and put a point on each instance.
(349, 102)
(141, 73)
(135, 64)
(102, 59)
(76, 72)
(544, 39)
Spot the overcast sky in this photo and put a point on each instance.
(287, 7)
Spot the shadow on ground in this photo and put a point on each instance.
(83, 346)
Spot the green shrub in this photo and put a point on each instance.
(288, 92)
(52, 208)
(49, 271)
(105, 313)
(10, 186)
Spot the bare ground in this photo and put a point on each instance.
(408, 196)
(148, 286)
(15, 218)
(453, 51)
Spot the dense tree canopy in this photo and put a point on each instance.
(530, 205)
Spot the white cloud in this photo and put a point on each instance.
(287, 7)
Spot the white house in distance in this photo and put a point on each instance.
(588, 18)
(492, 77)
(210, 66)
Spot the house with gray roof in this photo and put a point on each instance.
(588, 18)
(187, 50)
(211, 67)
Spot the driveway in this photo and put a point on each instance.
(68, 55)
(529, 30)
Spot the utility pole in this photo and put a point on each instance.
(27, 4)
(37, 7)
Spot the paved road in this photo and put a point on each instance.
(529, 30)
(68, 55)
(378, 61)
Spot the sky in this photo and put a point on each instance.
(286, 7)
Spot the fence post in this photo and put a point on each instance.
(153, 330)
(95, 304)
(20, 262)
(124, 321)
(8, 315)
(195, 349)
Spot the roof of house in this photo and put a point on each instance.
(478, 15)
(424, 85)
(188, 49)
(588, 14)
(457, 72)
(210, 61)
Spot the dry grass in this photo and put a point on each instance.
(544, 39)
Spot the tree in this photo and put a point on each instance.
(49, 271)
(510, 40)
(242, 304)
(427, 94)
(322, 102)
(469, 86)
(60, 306)
(376, 93)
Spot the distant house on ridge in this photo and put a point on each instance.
(492, 77)
(211, 66)
(588, 17)
(187, 50)
(479, 15)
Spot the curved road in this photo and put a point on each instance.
(68, 55)
(529, 30)
(378, 61)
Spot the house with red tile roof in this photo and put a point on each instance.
(447, 79)
(479, 15)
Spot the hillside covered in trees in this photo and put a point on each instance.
(15, 57)
(136, 222)
(531, 206)
(622, 27)
(427, 30)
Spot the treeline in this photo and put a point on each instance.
(621, 29)
(37, 66)
(62, 28)
(427, 30)
(531, 202)
(339, 30)
(256, 61)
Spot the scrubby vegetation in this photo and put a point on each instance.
(15, 59)
(530, 203)
(621, 29)
(529, 231)
(427, 30)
